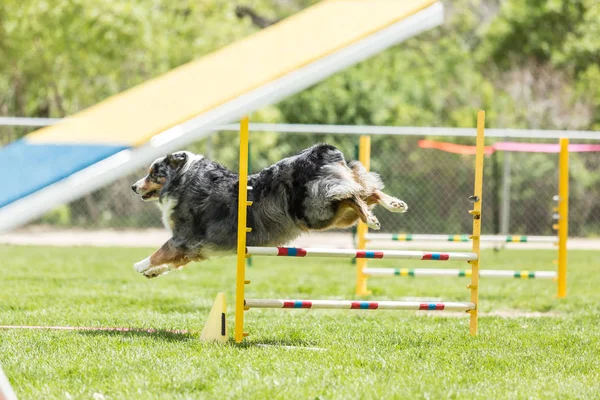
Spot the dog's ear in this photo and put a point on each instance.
(177, 159)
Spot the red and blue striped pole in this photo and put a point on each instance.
(353, 253)
(359, 305)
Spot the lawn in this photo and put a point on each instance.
(530, 345)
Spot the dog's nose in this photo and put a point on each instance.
(134, 188)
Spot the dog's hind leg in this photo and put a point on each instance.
(388, 202)
(370, 181)
(163, 260)
(372, 184)
(362, 209)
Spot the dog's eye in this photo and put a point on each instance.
(154, 177)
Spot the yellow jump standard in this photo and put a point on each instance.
(363, 272)
(242, 304)
(563, 216)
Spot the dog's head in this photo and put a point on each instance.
(160, 171)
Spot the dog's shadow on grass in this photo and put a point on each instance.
(156, 334)
(178, 336)
(296, 344)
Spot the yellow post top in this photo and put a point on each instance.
(364, 151)
(135, 115)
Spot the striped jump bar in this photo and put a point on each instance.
(353, 253)
(459, 273)
(408, 237)
(359, 305)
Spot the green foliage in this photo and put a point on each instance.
(57, 58)
(440, 77)
(565, 33)
(532, 29)
(561, 34)
(60, 216)
(60, 57)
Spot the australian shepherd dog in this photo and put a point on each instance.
(314, 190)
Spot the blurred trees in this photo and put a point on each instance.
(511, 58)
(505, 56)
(59, 57)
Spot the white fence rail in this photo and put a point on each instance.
(361, 129)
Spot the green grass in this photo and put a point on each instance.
(369, 354)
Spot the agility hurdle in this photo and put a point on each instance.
(561, 215)
(242, 304)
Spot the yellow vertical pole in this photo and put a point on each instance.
(241, 232)
(364, 156)
(563, 216)
(476, 213)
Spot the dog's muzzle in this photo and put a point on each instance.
(146, 195)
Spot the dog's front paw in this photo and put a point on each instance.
(142, 266)
(373, 222)
(146, 268)
(157, 271)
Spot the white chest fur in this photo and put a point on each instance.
(167, 205)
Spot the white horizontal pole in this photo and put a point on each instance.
(407, 237)
(25, 121)
(518, 274)
(416, 272)
(363, 129)
(359, 305)
(353, 253)
(415, 131)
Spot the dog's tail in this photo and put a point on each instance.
(371, 181)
